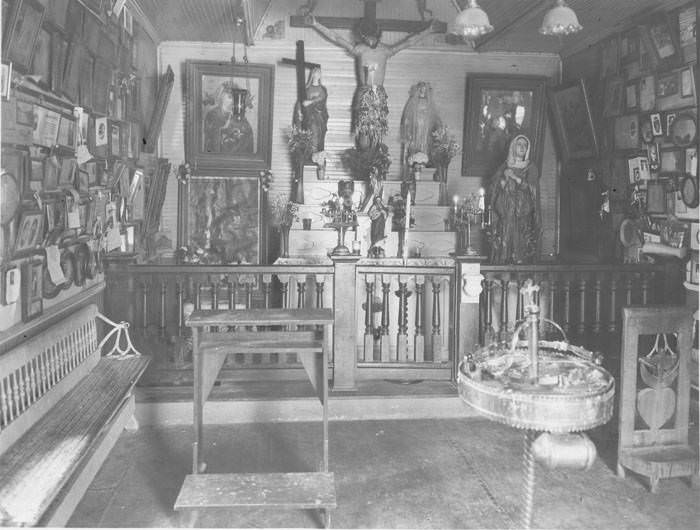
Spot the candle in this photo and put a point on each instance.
(406, 224)
(482, 206)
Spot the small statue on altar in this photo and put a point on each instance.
(514, 203)
(312, 113)
(378, 214)
(419, 120)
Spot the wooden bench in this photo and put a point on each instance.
(62, 409)
(314, 490)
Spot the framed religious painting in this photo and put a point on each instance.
(223, 215)
(574, 122)
(497, 109)
(21, 32)
(229, 117)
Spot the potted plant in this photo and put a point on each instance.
(300, 144)
(283, 213)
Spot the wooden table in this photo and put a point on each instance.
(210, 348)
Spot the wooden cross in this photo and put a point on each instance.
(301, 66)
(370, 14)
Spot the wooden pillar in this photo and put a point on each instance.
(469, 281)
(344, 311)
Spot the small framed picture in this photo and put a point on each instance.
(687, 82)
(656, 126)
(653, 156)
(672, 160)
(663, 40)
(667, 84)
(629, 46)
(115, 138)
(627, 132)
(36, 180)
(30, 232)
(66, 177)
(691, 161)
(66, 132)
(5, 80)
(631, 96)
(10, 284)
(32, 289)
(670, 118)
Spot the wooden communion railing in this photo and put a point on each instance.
(391, 319)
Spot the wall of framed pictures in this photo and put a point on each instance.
(642, 84)
(71, 139)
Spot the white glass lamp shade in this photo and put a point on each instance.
(472, 22)
(560, 20)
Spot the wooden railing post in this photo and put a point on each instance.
(468, 285)
(402, 335)
(368, 350)
(419, 338)
(344, 325)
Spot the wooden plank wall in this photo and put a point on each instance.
(445, 67)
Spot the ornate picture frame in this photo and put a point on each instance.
(228, 117)
(223, 215)
(574, 122)
(498, 108)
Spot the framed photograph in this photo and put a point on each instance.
(687, 82)
(229, 117)
(627, 132)
(573, 121)
(5, 80)
(10, 284)
(672, 160)
(667, 84)
(59, 55)
(653, 156)
(610, 57)
(663, 40)
(30, 231)
(66, 132)
(498, 108)
(41, 62)
(631, 99)
(224, 214)
(115, 138)
(46, 122)
(670, 118)
(614, 94)
(21, 32)
(32, 289)
(691, 161)
(657, 128)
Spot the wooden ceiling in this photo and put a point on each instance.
(516, 22)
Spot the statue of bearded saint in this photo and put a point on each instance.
(419, 120)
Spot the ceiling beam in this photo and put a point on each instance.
(527, 11)
(408, 26)
(142, 19)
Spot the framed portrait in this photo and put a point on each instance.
(670, 118)
(66, 177)
(229, 117)
(653, 156)
(614, 97)
(497, 109)
(32, 289)
(225, 214)
(41, 62)
(30, 231)
(667, 84)
(657, 128)
(21, 33)
(101, 79)
(627, 134)
(573, 121)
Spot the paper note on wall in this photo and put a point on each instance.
(53, 264)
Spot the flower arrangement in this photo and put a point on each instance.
(338, 209)
(372, 116)
(283, 212)
(300, 143)
(266, 179)
(444, 146)
(194, 254)
(360, 162)
(418, 158)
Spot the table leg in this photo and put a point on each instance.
(324, 360)
(197, 360)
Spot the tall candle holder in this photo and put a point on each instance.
(342, 216)
(465, 212)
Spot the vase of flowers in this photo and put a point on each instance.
(443, 149)
(300, 144)
(283, 213)
(416, 163)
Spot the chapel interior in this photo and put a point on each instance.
(349, 263)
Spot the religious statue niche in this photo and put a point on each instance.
(220, 220)
(229, 118)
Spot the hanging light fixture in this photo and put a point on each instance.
(472, 22)
(560, 20)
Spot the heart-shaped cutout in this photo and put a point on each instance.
(656, 406)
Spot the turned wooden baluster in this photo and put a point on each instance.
(384, 343)
(44, 372)
(15, 393)
(645, 289)
(180, 299)
(581, 327)
(566, 326)
(503, 332)
(214, 286)
(402, 334)
(436, 337)
(267, 290)
(320, 284)
(4, 405)
(163, 293)
(419, 337)
(612, 324)
(144, 305)
(301, 290)
(553, 293)
(628, 289)
(598, 289)
(368, 350)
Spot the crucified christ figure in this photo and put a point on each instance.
(371, 56)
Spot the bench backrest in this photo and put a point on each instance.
(37, 373)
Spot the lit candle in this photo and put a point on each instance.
(482, 205)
